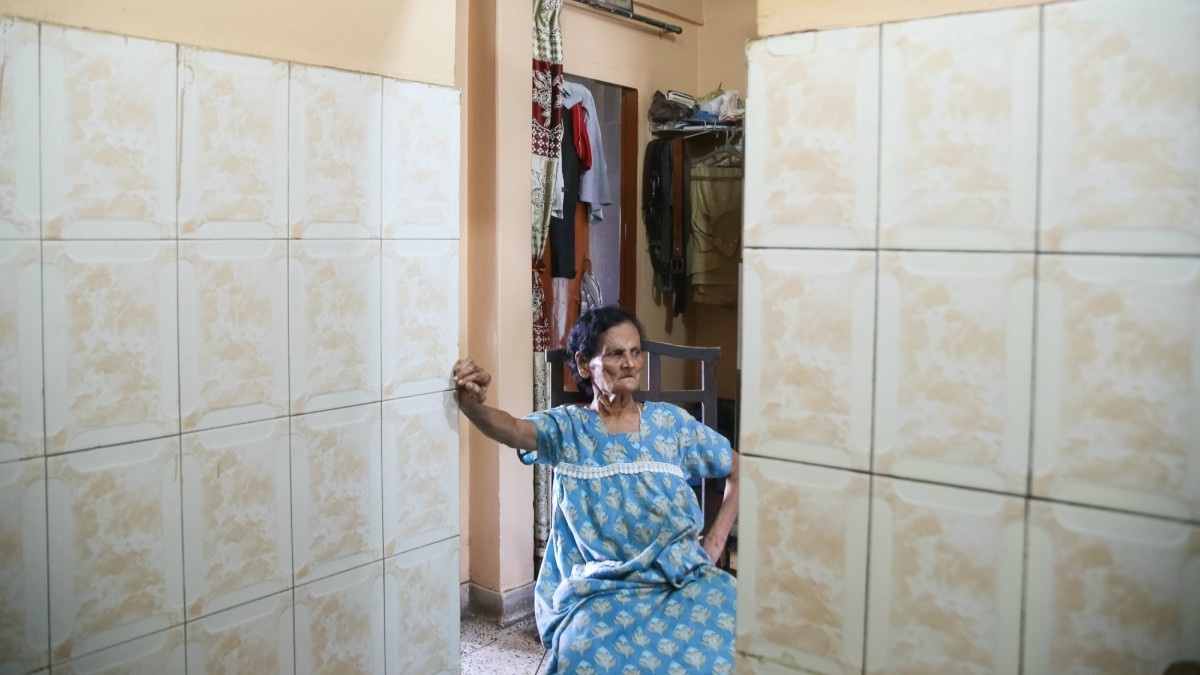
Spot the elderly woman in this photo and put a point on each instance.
(626, 586)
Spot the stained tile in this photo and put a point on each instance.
(953, 368)
(958, 162)
(233, 305)
(252, 638)
(161, 653)
(233, 166)
(1109, 592)
(236, 515)
(812, 153)
(335, 153)
(421, 129)
(945, 584)
(108, 129)
(808, 383)
(21, 424)
(750, 665)
(20, 172)
(23, 605)
(337, 486)
(339, 623)
(1120, 127)
(422, 610)
(116, 559)
(801, 602)
(420, 467)
(111, 346)
(420, 316)
(334, 317)
(1118, 384)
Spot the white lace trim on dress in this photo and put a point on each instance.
(581, 471)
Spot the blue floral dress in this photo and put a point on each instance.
(625, 586)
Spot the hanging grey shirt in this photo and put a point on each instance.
(593, 183)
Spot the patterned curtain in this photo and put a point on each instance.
(547, 144)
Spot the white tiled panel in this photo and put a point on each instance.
(420, 468)
(111, 354)
(237, 526)
(337, 486)
(803, 530)
(23, 604)
(21, 423)
(945, 586)
(421, 129)
(108, 129)
(954, 364)
(253, 638)
(20, 179)
(958, 159)
(233, 167)
(1121, 127)
(116, 549)
(1109, 592)
(807, 383)
(334, 296)
(340, 623)
(422, 610)
(161, 653)
(335, 154)
(420, 316)
(1118, 384)
(233, 321)
(812, 140)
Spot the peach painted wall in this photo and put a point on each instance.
(776, 17)
(405, 39)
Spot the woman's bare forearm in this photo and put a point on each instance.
(501, 426)
(727, 514)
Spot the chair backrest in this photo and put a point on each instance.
(706, 395)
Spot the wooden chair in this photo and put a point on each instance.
(562, 393)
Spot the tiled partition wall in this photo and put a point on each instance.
(972, 344)
(235, 281)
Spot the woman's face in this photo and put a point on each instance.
(616, 369)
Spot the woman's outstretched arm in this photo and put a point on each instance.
(471, 383)
(718, 534)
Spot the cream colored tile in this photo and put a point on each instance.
(752, 665)
(334, 316)
(20, 165)
(236, 515)
(116, 559)
(807, 383)
(420, 161)
(233, 318)
(1120, 127)
(945, 585)
(253, 638)
(959, 137)
(812, 136)
(1109, 592)
(111, 345)
(420, 316)
(161, 654)
(953, 368)
(337, 491)
(803, 535)
(21, 426)
(422, 610)
(1118, 383)
(339, 623)
(108, 128)
(420, 468)
(233, 165)
(335, 157)
(23, 583)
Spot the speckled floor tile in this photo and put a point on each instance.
(490, 650)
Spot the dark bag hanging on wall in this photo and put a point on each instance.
(666, 212)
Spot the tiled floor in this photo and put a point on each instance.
(488, 649)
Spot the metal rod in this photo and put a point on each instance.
(667, 27)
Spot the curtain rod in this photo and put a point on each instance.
(667, 27)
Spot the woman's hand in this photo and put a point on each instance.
(470, 383)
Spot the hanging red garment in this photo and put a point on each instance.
(583, 144)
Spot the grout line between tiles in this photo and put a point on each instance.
(1065, 254)
(178, 95)
(287, 228)
(42, 350)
